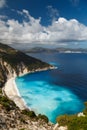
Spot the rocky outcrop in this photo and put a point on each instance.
(8, 72)
(15, 120)
(12, 118)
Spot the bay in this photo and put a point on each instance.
(59, 91)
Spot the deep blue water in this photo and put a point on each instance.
(59, 91)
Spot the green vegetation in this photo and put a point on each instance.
(6, 103)
(29, 113)
(73, 121)
(14, 57)
(43, 117)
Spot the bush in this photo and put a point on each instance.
(29, 113)
(7, 104)
(63, 120)
(73, 122)
(43, 117)
(33, 115)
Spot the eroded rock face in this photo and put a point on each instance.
(7, 71)
(12, 118)
(15, 120)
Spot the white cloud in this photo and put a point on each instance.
(2, 3)
(61, 30)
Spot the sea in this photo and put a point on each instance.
(58, 91)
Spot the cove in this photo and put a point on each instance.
(43, 95)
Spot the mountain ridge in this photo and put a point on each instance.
(58, 50)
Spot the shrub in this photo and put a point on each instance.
(7, 104)
(29, 113)
(43, 117)
(73, 122)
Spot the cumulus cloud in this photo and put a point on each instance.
(2, 3)
(31, 31)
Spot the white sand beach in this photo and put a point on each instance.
(12, 92)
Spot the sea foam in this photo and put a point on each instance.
(44, 97)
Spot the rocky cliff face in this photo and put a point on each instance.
(7, 71)
(14, 63)
(12, 118)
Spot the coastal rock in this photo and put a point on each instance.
(15, 63)
(81, 114)
(15, 120)
(12, 118)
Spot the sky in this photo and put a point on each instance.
(44, 23)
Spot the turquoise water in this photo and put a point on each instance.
(44, 93)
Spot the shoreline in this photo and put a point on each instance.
(38, 70)
(12, 93)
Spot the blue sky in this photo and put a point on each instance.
(61, 23)
(68, 9)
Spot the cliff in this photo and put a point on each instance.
(12, 118)
(15, 63)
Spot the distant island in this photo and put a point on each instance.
(58, 50)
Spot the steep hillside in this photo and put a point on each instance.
(14, 62)
(12, 118)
